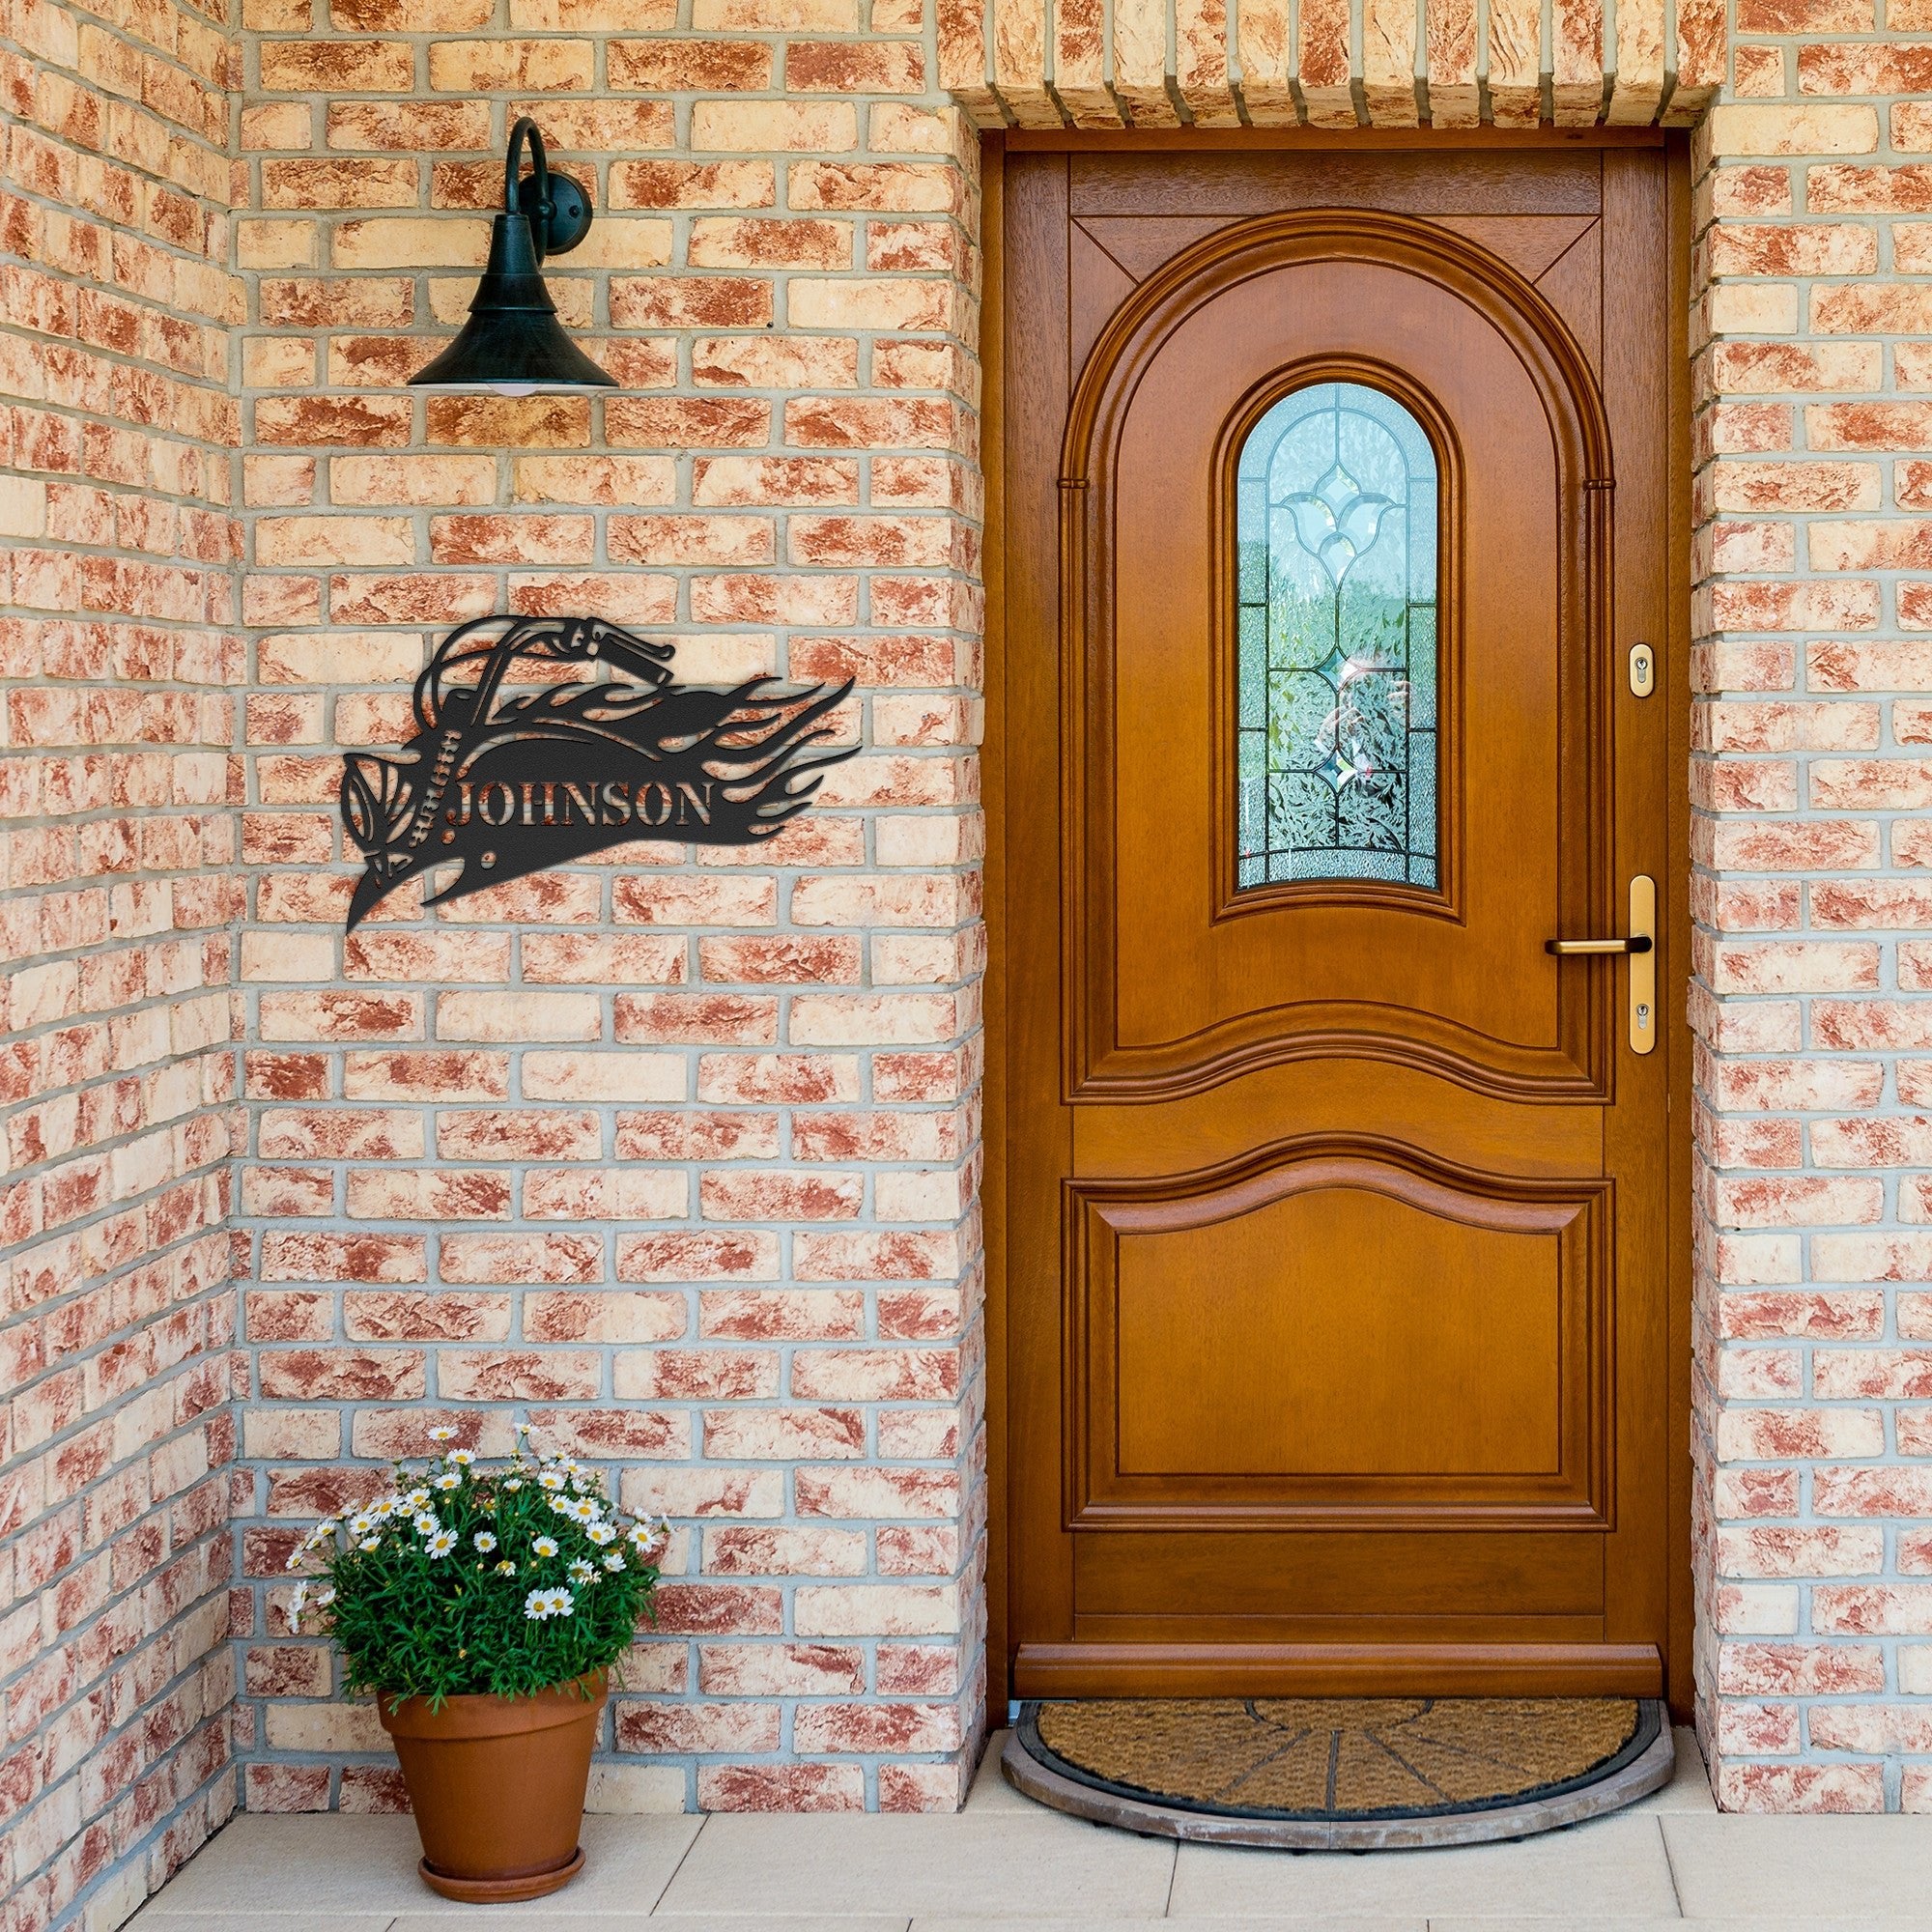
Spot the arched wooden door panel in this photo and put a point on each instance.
(1338, 1233)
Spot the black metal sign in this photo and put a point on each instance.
(517, 764)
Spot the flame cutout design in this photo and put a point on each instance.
(500, 784)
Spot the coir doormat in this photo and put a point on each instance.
(1341, 1773)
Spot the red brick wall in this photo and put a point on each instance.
(673, 1153)
(677, 1154)
(1810, 786)
(119, 674)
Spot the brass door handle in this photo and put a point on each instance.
(1640, 946)
(1570, 949)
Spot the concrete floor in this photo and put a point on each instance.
(1666, 1860)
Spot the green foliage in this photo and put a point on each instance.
(464, 1578)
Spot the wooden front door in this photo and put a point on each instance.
(1338, 1229)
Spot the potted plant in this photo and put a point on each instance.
(484, 1609)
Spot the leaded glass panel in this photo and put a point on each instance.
(1336, 636)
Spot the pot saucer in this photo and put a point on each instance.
(506, 1891)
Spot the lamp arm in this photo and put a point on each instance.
(526, 130)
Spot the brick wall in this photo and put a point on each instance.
(1811, 783)
(1333, 63)
(675, 1153)
(672, 1153)
(119, 670)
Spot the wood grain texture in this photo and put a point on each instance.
(1412, 172)
(1444, 1376)
(993, 778)
(1341, 1669)
(1033, 395)
(1138, 1032)
(1150, 1479)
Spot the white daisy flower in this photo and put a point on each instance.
(485, 1541)
(506, 1568)
(415, 1498)
(370, 1543)
(324, 1597)
(514, 1483)
(615, 1561)
(441, 1543)
(583, 1509)
(426, 1524)
(544, 1545)
(582, 1573)
(601, 1533)
(462, 1458)
(450, 1479)
(550, 1480)
(541, 1604)
(444, 1435)
(361, 1523)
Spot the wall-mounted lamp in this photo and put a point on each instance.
(513, 342)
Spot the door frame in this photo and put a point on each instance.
(1676, 691)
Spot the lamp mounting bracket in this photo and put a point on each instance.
(557, 207)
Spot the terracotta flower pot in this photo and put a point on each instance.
(497, 1786)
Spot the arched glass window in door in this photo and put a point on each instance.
(1337, 596)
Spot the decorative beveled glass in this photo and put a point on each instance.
(1336, 685)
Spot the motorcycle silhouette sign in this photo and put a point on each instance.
(517, 763)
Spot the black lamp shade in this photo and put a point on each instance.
(513, 342)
